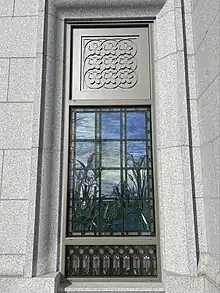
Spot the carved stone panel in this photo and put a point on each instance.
(110, 63)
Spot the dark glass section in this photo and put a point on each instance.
(110, 184)
(111, 261)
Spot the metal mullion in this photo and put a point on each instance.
(126, 160)
(96, 150)
(121, 168)
(100, 163)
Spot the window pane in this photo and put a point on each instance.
(110, 175)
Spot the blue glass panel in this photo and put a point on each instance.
(85, 152)
(136, 128)
(110, 125)
(110, 180)
(136, 148)
(111, 154)
(85, 125)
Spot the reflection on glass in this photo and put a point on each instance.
(136, 128)
(111, 154)
(110, 125)
(85, 125)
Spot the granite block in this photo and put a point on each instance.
(25, 7)
(183, 284)
(216, 146)
(13, 224)
(208, 67)
(6, 7)
(176, 253)
(53, 104)
(20, 31)
(208, 170)
(171, 99)
(22, 80)
(1, 169)
(15, 125)
(203, 13)
(198, 179)
(212, 216)
(195, 122)
(210, 287)
(187, 4)
(202, 230)
(4, 76)
(16, 174)
(179, 31)
(12, 265)
(209, 109)
(49, 212)
(166, 40)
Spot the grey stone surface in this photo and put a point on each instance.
(204, 13)
(4, 75)
(175, 201)
(202, 233)
(216, 146)
(106, 286)
(22, 79)
(183, 284)
(197, 164)
(208, 68)
(170, 97)
(49, 212)
(20, 31)
(208, 168)
(15, 125)
(209, 109)
(165, 24)
(44, 284)
(6, 7)
(11, 265)
(16, 174)
(13, 224)
(25, 7)
(210, 288)
(212, 208)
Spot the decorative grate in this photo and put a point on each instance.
(111, 261)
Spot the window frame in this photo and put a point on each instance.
(67, 103)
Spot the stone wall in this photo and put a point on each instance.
(206, 27)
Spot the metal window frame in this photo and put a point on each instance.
(69, 25)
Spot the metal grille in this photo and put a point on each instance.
(110, 189)
(115, 261)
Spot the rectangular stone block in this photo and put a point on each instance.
(13, 223)
(172, 128)
(208, 67)
(25, 7)
(18, 36)
(166, 35)
(212, 216)
(208, 168)
(4, 75)
(1, 169)
(6, 7)
(22, 79)
(210, 288)
(216, 145)
(204, 13)
(209, 109)
(16, 174)
(11, 265)
(15, 125)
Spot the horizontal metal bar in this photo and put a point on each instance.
(110, 103)
(111, 241)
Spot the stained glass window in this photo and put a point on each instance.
(110, 189)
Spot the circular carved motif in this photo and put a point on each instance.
(110, 64)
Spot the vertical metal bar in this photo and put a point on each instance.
(121, 167)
